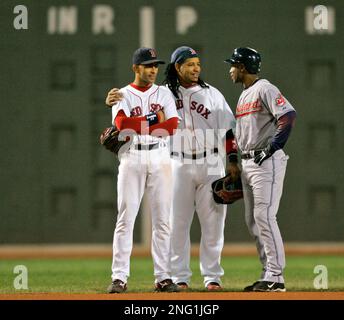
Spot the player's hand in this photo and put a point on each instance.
(113, 97)
(223, 194)
(263, 155)
(161, 116)
(233, 170)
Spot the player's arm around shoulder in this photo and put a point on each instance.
(121, 106)
(114, 96)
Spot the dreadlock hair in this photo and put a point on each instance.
(172, 81)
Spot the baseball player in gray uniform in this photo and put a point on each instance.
(264, 119)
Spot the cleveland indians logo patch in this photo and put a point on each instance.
(280, 100)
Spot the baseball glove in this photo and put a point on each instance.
(227, 191)
(109, 138)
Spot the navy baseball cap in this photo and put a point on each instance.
(249, 57)
(182, 53)
(146, 56)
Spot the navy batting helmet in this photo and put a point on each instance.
(249, 57)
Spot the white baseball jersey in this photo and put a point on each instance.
(205, 119)
(144, 171)
(258, 109)
(136, 103)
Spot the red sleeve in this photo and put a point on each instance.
(165, 128)
(231, 146)
(123, 122)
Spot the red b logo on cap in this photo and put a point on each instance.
(152, 53)
(193, 51)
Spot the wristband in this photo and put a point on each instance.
(233, 157)
(152, 119)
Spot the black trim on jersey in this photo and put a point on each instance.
(254, 82)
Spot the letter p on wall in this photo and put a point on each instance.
(186, 17)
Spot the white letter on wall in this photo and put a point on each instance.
(62, 20)
(20, 21)
(147, 27)
(103, 16)
(186, 17)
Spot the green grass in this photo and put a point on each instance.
(93, 275)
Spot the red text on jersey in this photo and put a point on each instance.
(179, 104)
(200, 108)
(137, 111)
(155, 107)
(247, 108)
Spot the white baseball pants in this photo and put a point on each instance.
(140, 171)
(192, 191)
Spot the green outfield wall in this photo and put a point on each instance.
(57, 183)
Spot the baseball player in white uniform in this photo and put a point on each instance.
(149, 111)
(264, 121)
(197, 150)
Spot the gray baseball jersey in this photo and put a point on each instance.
(258, 109)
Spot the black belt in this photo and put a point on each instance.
(250, 155)
(146, 146)
(194, 156)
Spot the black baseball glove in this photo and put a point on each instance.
(227, 191)
(110, 139)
